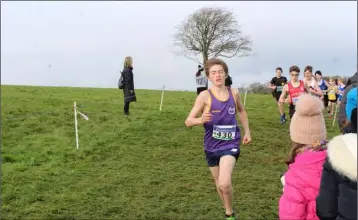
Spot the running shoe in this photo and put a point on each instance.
(231, 217)
(283, 119)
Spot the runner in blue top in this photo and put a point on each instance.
(341, 87)
(220, 106)
(323, 85)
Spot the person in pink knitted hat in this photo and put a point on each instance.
(301, 181)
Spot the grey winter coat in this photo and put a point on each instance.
(128, 85)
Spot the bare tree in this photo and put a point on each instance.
(211, 32)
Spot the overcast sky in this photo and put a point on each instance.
(84, 43)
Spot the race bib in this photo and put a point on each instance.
(279, 88)
(201, 81)
(224, 132)
(294, 100)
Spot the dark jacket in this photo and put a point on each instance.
(353, 82)
(128, 85)
(337, 198)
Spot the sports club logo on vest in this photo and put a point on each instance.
(231, 110)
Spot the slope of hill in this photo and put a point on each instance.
(149, 166)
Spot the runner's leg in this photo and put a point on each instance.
(215, 174)
(291, 110)
(226, 167)
(280, 108)
(213, 163)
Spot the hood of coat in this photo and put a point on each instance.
(342, 154)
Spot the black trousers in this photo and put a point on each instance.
(126, 108)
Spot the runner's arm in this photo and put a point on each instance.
(283, 94)
(272, 84)
(242, 112)
(318, 90)
(192, 119)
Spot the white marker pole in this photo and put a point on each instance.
(335, 115)
(245, 97)
(161, 100)
(76, 129)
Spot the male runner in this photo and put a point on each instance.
(277, 84)
(294, 89)
(201, 80)
(222, 136)
(323, 85)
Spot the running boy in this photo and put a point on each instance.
(277, 84)
(222, 137)
(323, 85)
(341, 87)
(294, 89)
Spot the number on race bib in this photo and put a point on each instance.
(224, 132)
(200, 81)
(279, 88)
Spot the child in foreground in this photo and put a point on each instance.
(302, 179)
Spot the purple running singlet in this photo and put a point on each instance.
(222, 132)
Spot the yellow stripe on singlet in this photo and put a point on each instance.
(207, 107)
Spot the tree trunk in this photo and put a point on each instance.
(205, 58)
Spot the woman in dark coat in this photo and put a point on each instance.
(337, 198)
(128, 84)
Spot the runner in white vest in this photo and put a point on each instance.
(201, 81)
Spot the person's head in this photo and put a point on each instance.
(340, 81)
(308, 72)
(278, 71)
(307, 127)
(294, 73)
(318, 75)
(332, 81)
(217, 71)
(351, 109)
(307, 124)
(128, 62)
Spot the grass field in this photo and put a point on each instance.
(149, 166)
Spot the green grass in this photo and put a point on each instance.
(148, 167)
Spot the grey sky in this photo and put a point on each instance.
(84, 43)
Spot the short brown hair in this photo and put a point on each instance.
(308, 68)
(279, 68)
(215, 61)
(294, 69)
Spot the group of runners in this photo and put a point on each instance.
(216, 108)
(285, 91)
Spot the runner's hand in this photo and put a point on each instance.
(287, 100)
(205, 117)
(247, 138)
